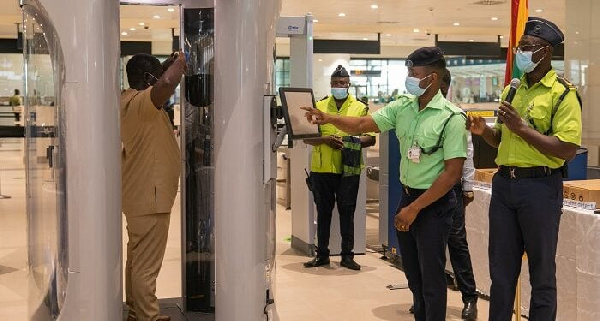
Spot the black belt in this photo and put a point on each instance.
(413, 191)
(527, 172)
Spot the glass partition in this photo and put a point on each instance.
(198, 133)
(45, 165)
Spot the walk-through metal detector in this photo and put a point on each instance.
(73, 158)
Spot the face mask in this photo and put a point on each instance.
(525, 60)
(412, 86)
(339, 93)
(153, 81)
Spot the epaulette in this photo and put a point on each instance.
(565, 82)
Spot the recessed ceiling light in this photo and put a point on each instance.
(416, 30)
(316, 20)
(341, 14)
(320, 60)
(471, 40)
(141, 23)
(456, 24)
(494, 18)
(123, 33)
(374, 6)
(132, 29)
(388, 34)
(539, 10)
(156, 17)
(171, 10)
(365, 39)
(501, 37)
(576, 32)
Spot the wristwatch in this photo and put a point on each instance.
(469, 194)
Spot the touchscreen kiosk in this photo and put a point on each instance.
(292, 100)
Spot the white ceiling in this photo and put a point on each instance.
(396, 20)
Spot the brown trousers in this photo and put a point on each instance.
(145, 251)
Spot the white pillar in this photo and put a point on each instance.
(244, 44)
(88, 37)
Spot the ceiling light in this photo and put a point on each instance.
(494, 18)
(365, 39)
(388, 34)
(123, 33)
(576, 32)
(539, 10)
(156, 17)
(171, 10)
(374, 6)
(456, 24)
(316, 20)
(416, 30)
(320, 60)
(132, 29)
(501, 37)
(141, 23)
(471, 40)
(341, 14)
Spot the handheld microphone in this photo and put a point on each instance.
(514, 84)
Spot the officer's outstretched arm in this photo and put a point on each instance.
(351, 125)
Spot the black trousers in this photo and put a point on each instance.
(329, 189)
(524, 216)
(459, 250)
(423, 250)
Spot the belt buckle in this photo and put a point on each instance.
(512, 173)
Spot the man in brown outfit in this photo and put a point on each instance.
(150, 176)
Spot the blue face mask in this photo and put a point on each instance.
(339, 93)
(525, 62)
(413, 87)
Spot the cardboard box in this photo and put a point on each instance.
(587, 191)
(485, 175)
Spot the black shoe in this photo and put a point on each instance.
(469, 312)
(412, 309)
(350, 263)
(317, 261)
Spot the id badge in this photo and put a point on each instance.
(414, 154)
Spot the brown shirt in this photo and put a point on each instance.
(150, 161)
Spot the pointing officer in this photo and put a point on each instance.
(335, 170)
(433, 148)
(535, 134)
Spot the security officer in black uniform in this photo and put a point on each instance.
(534, 135)
(335, 170)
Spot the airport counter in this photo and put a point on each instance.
(577, 258)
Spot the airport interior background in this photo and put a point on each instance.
(374, 37)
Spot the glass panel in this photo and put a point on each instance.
(45, 166)
(198, 131)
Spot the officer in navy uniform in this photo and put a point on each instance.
(433, 147)
(535, 135)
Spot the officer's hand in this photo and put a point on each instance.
(405, 218)
(511, 118)
(315, 116)
(476, 124)
(177, 55)
(334, 142)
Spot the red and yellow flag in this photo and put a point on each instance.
(519, 12)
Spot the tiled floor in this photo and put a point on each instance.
(330, 294)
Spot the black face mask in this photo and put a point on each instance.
(151, 83)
